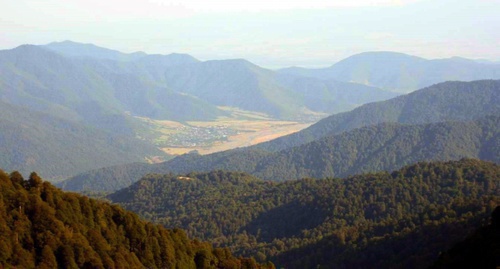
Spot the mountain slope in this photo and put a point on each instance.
(59, 148)
(401, 219)
(368, 149)
(91, 90)
(386, 146)
(68, 78)
(332, 96)
(235, 83)
(441, 102)
(79, 50)
(400, 72)
(43, 227)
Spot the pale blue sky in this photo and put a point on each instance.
(270, 33)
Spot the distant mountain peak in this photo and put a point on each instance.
(386, 56)
(87, 50)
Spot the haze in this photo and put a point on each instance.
(269, 33)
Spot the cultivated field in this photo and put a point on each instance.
(242, 129)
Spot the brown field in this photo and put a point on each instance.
(247, 128)
(251, 133)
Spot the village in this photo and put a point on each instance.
(191, 136)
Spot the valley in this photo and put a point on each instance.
(382, 160)
(240, 129)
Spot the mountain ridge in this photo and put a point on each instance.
(395, 219)
(400, 72)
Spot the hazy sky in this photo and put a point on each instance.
(269, 33)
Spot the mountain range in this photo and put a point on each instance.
(104, 89)
(401, 219)
(448, 121)
(100, 90)
(405, 167)
(400, 72)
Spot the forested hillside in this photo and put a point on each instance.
(385, 146)
(446, 101)
(59, 148)
(43, 227)
(479, 250)
(402, 219)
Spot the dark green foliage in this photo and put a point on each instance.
(401, 219)
(448, 101)
(384, 147)
(480, 250)
(43, 227)
(107, 179)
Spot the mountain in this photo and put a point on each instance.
(94, 91)
(105, 90)
(374, 148)
(448, 101)
(234, 83)
(59, 148)
(401, 219)
(332, 96)
(385, 146)
(80, 50)
(43, 227)
(95, 84)
(286, 158)
(400, 72)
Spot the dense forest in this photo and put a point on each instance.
(385, 146)
(479, 250)
(402, 219)
(43, 227)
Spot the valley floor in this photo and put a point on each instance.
(242, 129)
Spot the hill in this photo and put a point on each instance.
(43, 227)
(332, 96)
(401, 219)
(448, 101)
(401, 72)
(385, 146)
(59, 148)
(95, 91)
